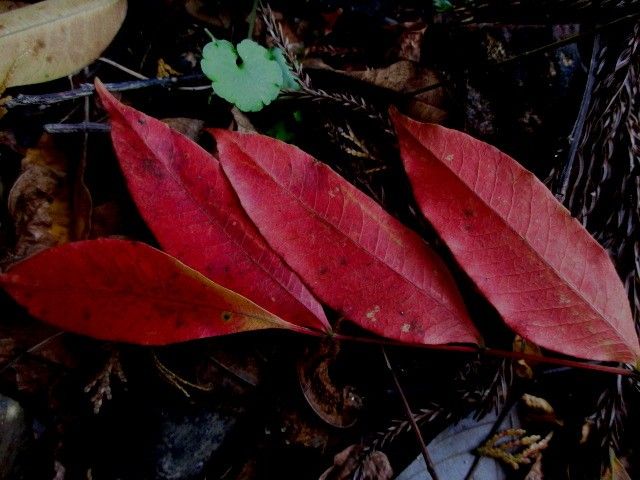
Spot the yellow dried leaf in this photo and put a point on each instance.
(539, 410)
(54, 38)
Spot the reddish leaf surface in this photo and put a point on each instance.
(126, 291)
(353, 255)
(192, 210)
(548, 278)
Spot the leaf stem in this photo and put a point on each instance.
(491, 352)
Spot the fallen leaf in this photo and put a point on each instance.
(40, 200)
(452, 451)
(549, 279)
(49, 355)
(216, 15)
(375, 466)
(55, 38)
(616, 471)
(336, 405)
(423, 98)
(352, 254)
(126, 291)
(402, 77)
(409, 43)
(189, 127)
(243, 124)
(537, 409)
(192, 210)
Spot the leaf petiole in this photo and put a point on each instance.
(491, 352)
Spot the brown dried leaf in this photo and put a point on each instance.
(375, 466)
(243, 124)
(209, 13)
(616, 470)
(538, 410)
(40, 200)
(338, 406)
(32, 355)
(423, 103)
(523, 368)
(49, 202)
(189, 127)
(401, 77)
(410, 41)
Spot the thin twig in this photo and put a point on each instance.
(83, 127)
(133, 73)
(565, 41)
(87, 89)
(414, 426)
(578, 128)
(35, 348)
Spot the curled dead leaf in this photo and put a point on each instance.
(537, 409)
(336, 405)
(370, 466)
(40, 200)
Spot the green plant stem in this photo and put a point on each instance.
(252, 18)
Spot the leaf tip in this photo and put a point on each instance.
(106, 97)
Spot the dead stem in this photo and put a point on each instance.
(414, 426)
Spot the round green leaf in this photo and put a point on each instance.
(248, 77)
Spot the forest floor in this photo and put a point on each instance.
(556, 88)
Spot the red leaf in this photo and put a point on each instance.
(548, 278)
(129, 292)
(353, 255)
(195, 215)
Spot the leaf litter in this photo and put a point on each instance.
(397, 73)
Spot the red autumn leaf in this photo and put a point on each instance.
(192, 210)
(126, 291)
(354, 256)
(549, 279)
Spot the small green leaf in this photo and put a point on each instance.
(290, 82)
(442, 6)
(248, 77)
